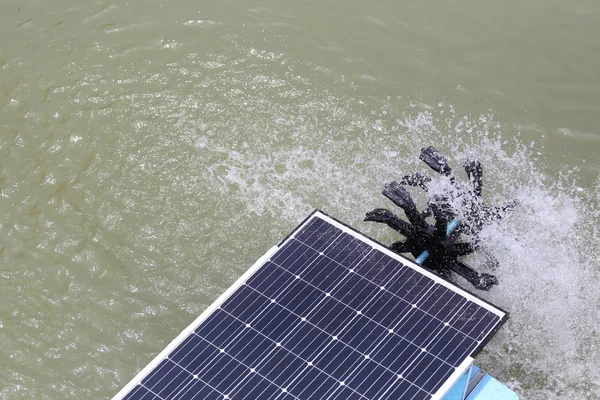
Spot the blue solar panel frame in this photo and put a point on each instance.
(326, 314)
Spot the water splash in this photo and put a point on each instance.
(549, 277)
(280, 159)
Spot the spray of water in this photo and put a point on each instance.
(548, 267)
(281, 160)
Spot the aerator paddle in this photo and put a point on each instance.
(437, 247)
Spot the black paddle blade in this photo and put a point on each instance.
(387, 217)
(479, 281)
(435, 160)
(379, 215)
(400, 196)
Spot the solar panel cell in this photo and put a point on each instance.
(323, 274)
(344, 393)
(450, 346)
(347, 250)
(253, 387)
(220, 329)
(280, 365)
(139, 393)
(276, 323)
(445, 311)
(167, 380)
(370, 379)
(361, 334)
(300, 298)
(198, 390)
(397, 354)
(306, 341)
(403, 389)
(270, 280)
(386, 308)
(319, 234)
(312, 382)
(330, 315)
(422, 370)
(195, 354)
(294, 256)
(338, 359)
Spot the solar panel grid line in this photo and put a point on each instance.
(251, 369)
(243, 381)
(413, 272)
(316, 315)
(315, 356)
(397, 323)
(305, 360)
(324, 348)
(343, 328)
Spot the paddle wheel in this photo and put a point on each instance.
(458, 213)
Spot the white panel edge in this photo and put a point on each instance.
(458, 372)
(184, 334)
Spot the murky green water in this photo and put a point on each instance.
(149, 153)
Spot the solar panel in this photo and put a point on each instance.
(326, 314)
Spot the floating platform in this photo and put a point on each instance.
(329, 314)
